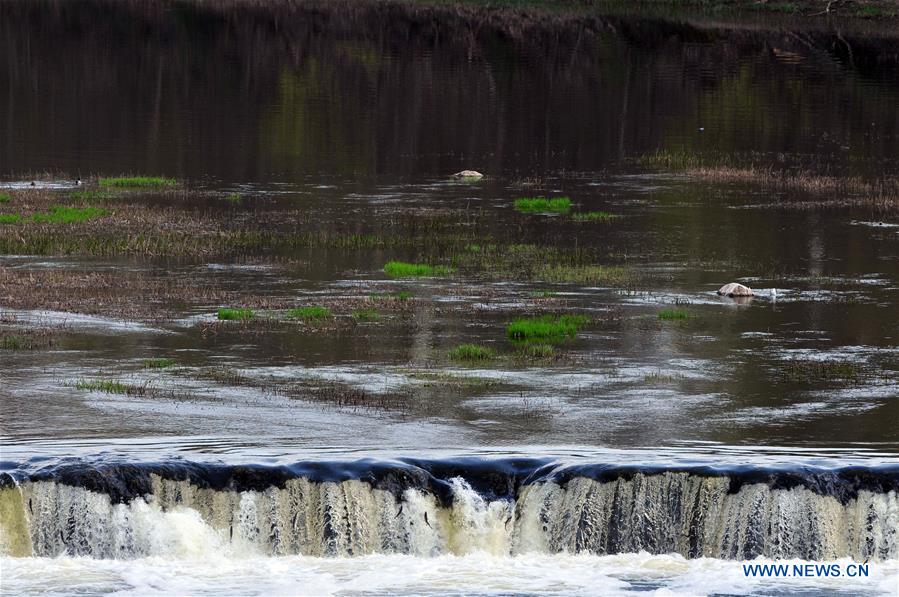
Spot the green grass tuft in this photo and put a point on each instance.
(669, 314)
(91, 196)
(366, 315)
(403, 295)
(234, 198)
(62, 214)
(160, 363)
(5, 197)
(10, 218)
(536, 352)
(546, 328)
(235, 314)
(543, 294)
(400, 269)
(137, 182)
(472, 352)
(310, 313)
(593, 216)
(543, 205)
(12, 343)
(784, 7)
(102, 385)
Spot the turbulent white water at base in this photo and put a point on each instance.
(473, 574)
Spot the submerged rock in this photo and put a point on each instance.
(734, 289)
(468, 174)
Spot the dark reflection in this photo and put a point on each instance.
(248, 92)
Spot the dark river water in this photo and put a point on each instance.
(358, 113)
(244, 94)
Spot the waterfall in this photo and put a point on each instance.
(687, 513)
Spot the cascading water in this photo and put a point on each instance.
(429, 509)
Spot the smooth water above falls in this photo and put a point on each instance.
(435, 508)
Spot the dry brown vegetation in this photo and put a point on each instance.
(127, 295)
(330, 394)
(175, 223)
(145, 296)
(843, 191)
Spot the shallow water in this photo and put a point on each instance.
(358, 123)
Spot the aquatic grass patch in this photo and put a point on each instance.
(543, 205)
(28, 339)
(114, 386)
(543, 263)
(472, 352)
(108, 386)
(235, 314)
(12, 343)
(823, 370)
(228, 376)
(158, 363)
(137, 182)
(91, 196)
(366, 315)
(673, 314)
(667, 159)
(594, 216)
(63, 214)
(401, 269)
(543, 294)
(875, 12)
(401, 296)
(234, 198)
(658, 377)
(309, 313)
(836, 191)
(435, 378)
(58, 214)
(546, 328)
(584, 274)
(5, 197)
(536, 352)
(356, 398)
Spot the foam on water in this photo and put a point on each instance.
(392, 574)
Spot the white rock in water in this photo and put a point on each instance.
(468, 174)
(734, 289)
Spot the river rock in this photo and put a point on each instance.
(468, 174)
(734, 289)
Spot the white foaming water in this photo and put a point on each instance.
(473, 574)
